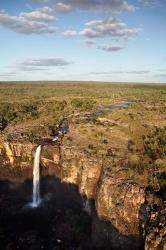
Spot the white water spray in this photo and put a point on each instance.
(55, 139)
(36, 178)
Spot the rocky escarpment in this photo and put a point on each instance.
(156, 229)
(119, 199)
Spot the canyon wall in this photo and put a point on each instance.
(120, 202)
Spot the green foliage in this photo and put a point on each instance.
(17, 112)
(32, 104)
(29, 108)
(155, 143)
(7, 112)
(53, 107)
(83, 104)
(162, 182)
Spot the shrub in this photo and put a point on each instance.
(83, 104)
(155, 143)
(7, 112)
(109, 152)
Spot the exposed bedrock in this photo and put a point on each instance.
(119, 200)
(16, 153)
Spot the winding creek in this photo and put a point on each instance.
(108, 109)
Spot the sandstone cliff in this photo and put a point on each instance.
(119, 199)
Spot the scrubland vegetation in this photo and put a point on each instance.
(133, 136)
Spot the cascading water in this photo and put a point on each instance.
(36, 178)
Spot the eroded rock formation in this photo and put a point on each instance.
(119, 200)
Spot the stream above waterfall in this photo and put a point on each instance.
(108, 109)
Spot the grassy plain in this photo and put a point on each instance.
(133, 136)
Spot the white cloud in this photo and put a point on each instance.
(41, 14)
(110, 47)
(151, 3)
(27, 23)
(63, 8)
(92, 5)
(104, 5)
(70, 32)
(110, 27)
(89, 42)
(119, 72)
(45, 62)
(160, 75)
(29, 68)
(40, 64)
(140, 72)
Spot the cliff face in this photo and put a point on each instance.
(156, 229)
(16, 154)
(74, 167)
(118, 199)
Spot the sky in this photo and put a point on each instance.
(89, 40)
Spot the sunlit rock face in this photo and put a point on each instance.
(79, 169)
(156, 228)
(16, 153)
(119, 200)
(72, 166)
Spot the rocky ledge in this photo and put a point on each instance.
(119, 199)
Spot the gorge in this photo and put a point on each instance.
(121, 212)
(101, 182)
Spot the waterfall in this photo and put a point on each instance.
(36, 178)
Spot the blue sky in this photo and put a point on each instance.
(109, 40)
